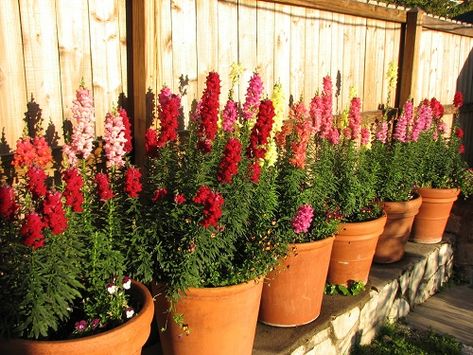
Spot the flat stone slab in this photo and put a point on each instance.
(448, 312)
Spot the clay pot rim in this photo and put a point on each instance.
(147, 310)
(219, 291)
(366, 223)
(395, 207)
(315, 244)
(433, 192)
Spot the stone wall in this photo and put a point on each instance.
(388, 300)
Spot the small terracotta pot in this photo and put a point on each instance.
(397, 230)
(126, 339)
(293, 292)
(353, 251)
(221, 320)
(431, 221)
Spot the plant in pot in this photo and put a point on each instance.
(442, 171)
(64, 288)
(293, 291)
(212, 212)
(362, 216)
(395, 188)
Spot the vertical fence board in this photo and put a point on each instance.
(247, 42)
(164, 44)
(389, 57)
(373, 65)
(184, 50)
(336, 62)
(38, 21)
(265, 43)
(297, 56)
(282, 29)
(106, 71)
(349, 54)
(311, 54)
(74, 49)
(207, 41)
(227, 42)
(360, 52)
(325, 45)
(424, 66)
(122, 39)
(12, 74)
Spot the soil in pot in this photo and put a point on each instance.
(353, 251)
(432, 218)
(293, 292)
(391, 243)
(220, 320)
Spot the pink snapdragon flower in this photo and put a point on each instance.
(354, 118)
(115, 140)
(303, 218)
(316, 111)
(253, 97)
(382, 132)
(82, 138)
(327, 116)
(404, 122)
(230, 114)
(334, 136)
(365, 136)
(424, 120)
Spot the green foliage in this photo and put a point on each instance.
(353, 289)
(399, 339)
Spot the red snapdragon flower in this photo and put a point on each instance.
(8, 205)
(168, 113)
(228, 166)
(32, 151)
(179, 199)
(32, 231)
(126, 122)
(133, 182)
(73, 189)
(212, 202)
(103, 187)
(159, 194)
(151, 141)
(37, 181)
(209, 109)
(458, 99)
(54, 214)
(255, 172)
(437, 108)
(461, 149)
(459, 132)
(261, 130)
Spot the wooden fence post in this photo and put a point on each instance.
(410, 59)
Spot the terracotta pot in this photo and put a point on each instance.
(353, 251)
(293, 292)
(126, 339)
(430, 223)
(221, 320)
(397, 230)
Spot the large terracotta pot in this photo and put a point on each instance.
(126, 339)
(353, 251)
(397, 230)
(220, 320)
(293, 292)
(430, 223)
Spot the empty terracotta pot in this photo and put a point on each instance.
(432, 218)
(353, 251)
(220, 320)
(293, 292)
(126, 339)
(391, 243)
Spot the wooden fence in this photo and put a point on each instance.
(47, 46)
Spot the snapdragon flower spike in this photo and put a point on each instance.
(459, 132)
(354, 118)
(31, 152)
(261, 131)
(458, 100)
(209, 112)
(114, 137)
(253, 97)
(159, 194)
(83, 134)
(255, 172)
(151, 141)
(168, 113)
(403, 123)
(229, 116)
(302, 219)
(212, 202)
(37, 181)
(32, 231)
(303, 130)
(179, 199)
(54, 214)
(127, 124)
(133, 184)
(327, 108)
(366, 135)
(382, 132)
(437, 108)
(423, 121)
(334, 136)
(103, 187)
(228, 166)
(73, 189)
(316, 111)
(8, 206)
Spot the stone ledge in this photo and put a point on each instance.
(393, 290)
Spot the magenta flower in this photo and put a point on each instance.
(253, 97)
(316, 111)
(423, 121)
(230, 113)
(404, 121)
(354, 118)
(327, 116)
(303, 218)
(365, 136)
(334, 136)
(81, 144)
(382, 132)
(115, 140)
